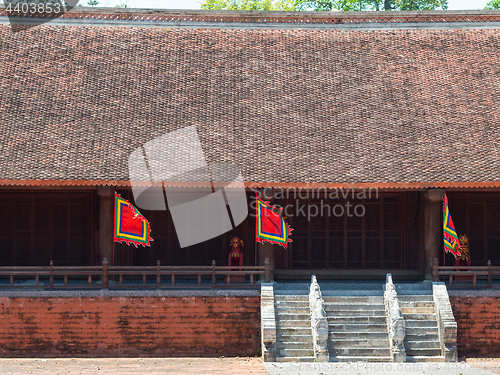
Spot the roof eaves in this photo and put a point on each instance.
(256, 185)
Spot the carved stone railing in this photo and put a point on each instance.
(319, 323)
(395, 321)
(268, 322)
(447, 326)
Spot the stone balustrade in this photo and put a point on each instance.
(319, 323)
(395, 321)
(447, 326)
(268, 322)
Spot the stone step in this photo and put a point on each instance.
(416, 304)
(293, 338)
(355, 313)
(292, 301)
(416, 298)
(351, 284)
(359, 343)
(356, 319)
(422, 337)
(291, 297)
(293, 323)
(419, 331)
(295, 345)
(292, 310)
(296, 352)
(413, 286)
(417, 316)
(417, 292)
(349, 300)
(418, 327)
(344, 358)
(286, 316)
(420, 323)
(291, 304)
(293, 331)
(413, 359)
(419, 352)
(353, 293)
(417, 310)
(354, 307)
(426, 344)
(362, 335)
(370, 327)
(371, 352)
(295, 359)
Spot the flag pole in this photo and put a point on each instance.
(255, 251)
(444, 250)
(255, 238)
(444, 264)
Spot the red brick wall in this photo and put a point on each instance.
(478, 321)
(129, 326)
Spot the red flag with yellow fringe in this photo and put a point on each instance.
(130, 225)
(270, 225)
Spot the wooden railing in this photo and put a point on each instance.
(470, 272)
(105, 276)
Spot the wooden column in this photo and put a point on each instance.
(106, 220)
(266, 250)
(433, 228)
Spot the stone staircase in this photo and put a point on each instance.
(422, 336)
(357, 322)
(293, 328)
(357, 329)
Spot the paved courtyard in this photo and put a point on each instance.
(132, 366)
(234, 366)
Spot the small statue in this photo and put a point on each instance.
(235, 255)
(235, 259)
(464, 258)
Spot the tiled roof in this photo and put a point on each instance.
(404, 108)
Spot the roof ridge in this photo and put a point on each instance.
(260, 13)
(222, 17)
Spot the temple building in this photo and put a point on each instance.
(328, 112)
(356, 123)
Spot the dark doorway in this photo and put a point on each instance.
(38, 228)
(345, 233)
(477, 215)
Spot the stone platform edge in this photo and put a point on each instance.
(129, 293)
(473, 293)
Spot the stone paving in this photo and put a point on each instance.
(132, 366)
(235, 366)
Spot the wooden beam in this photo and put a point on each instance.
(106, 220)
(266, 250)
(433, 228)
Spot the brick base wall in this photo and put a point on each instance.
(129, 326)
(478, 321)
